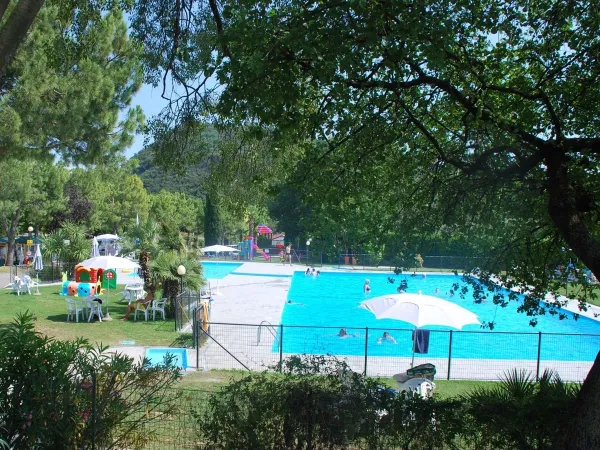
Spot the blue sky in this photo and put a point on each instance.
(151, 103)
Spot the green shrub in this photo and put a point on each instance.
(318, 403)
(520, 413)
(57, 394)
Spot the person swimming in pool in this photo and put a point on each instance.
(387, 338)
(289, 302)
(307, 271)
(343, 334)
(367, 286)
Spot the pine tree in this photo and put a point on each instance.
(213, 225)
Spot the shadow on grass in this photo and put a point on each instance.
(183, 340)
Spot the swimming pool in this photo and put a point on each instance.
(157, 356)
(329, 302)
(218, 270)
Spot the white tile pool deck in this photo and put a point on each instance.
(250, 300)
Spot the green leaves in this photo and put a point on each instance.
(71, 82)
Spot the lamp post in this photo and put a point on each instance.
(181, 273)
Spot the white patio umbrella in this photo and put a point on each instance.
(95, 249)
(218, 249)
(109, 262)
(108, 237)
(419, 310)
(38, 266)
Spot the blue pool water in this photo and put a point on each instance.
(218, 270)
(330, 302)
(157, 356)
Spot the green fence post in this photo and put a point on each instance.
(366, 348)
(280, 347)
(449, 355)
(537, 373)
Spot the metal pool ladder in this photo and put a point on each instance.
(270, 327)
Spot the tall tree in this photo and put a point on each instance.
(15, 28)
(212, 220)
(28, 189)
(63, 93)
(493, 97)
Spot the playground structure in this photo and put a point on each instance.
(89, 281)
(248, 249)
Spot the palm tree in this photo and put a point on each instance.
(520, 413)
(164, 273)
(143, 239)
(68, 244)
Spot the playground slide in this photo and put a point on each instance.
(263, 254)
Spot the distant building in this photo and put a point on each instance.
(278, 238)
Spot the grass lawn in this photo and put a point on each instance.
(50, 310)
(576, 291)
(213, 380)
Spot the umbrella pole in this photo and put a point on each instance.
(37, 283)
(414, 342)
(107, 317)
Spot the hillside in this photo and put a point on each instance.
(155, 178)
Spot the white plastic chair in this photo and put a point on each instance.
(126, 296)
(21, 287)
(140, 307)
(73, 309)
(420, 386)
(94, 308)
(160, 307)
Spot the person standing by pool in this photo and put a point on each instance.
(288, 253)
(367, 286)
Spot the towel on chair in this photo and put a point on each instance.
(420, 340)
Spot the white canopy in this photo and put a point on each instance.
(107, 237)
(218, 249)
(420, 310)
(109, 262)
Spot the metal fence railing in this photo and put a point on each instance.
(51, 273)
(361, 260)
(457, 355)
(185, 306)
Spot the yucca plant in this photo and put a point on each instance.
(522, 413)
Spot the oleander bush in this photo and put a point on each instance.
(66, 394)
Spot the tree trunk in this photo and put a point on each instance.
(10, 228)
(583, 431)
(562, 207)
(144, 259)
(15, 29)
(3, 7)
